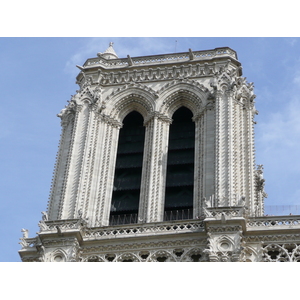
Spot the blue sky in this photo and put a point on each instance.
(38, 77)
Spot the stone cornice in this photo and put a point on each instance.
(153, 71)
(160, 59)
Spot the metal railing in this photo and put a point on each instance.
(123, 219)
(178, 214)
(281, 210)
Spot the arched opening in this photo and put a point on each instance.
(180, 167)
(128, 171)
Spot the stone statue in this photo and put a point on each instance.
(25, 233)
(45, 216)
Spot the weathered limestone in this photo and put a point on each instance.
(228, 222)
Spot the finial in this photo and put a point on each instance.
(109, 53)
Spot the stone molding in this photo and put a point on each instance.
(274, 221)
(157, 106)
(146, 229)
(165, 58)
(72, 240)
(157, 73)
(228, 207)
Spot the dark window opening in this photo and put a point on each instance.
(273, 254)
(128, 171)
(196, 257)
(161, 258)
(110, 257)
(127, 260)
(144, 254)
(178, 252)
(180, 167)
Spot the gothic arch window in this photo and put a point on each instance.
(180, 167)
(128, 171)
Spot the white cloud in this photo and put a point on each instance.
(90, 47)
(291, 41)
(123, 46)
(278, 142)
(280, 126)
(296, 79)
(283, 127)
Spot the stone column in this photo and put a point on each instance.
(72, 179)
(223, 149)
(233, 140)
(156, 166)
(67, 122)
(90, 166)
(106, 171)
(254, 209)
(204, 185)
(146, 171)
(95, 169)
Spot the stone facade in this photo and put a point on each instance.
(227, 221)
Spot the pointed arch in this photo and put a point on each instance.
(127, 257)
(128, 171)
(194, 255)
(130, 98)
(179, 193)
(162, 256)
(186, 93)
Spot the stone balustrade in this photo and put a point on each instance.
(184, 226)
(274, 221)
(161, 59)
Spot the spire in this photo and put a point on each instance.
(109, 52)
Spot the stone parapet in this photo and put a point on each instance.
(161, 59)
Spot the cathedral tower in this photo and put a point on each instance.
(155, 163)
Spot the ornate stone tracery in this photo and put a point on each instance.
(227, 221)
(281, 253)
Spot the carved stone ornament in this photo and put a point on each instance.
(281, 253)
(43, 226)
(25, 233)
(260, 181)
(206, 168)
(23, 243)
(69, 109)
(137, 86)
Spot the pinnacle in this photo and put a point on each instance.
(109, 53)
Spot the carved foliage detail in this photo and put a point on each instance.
(228, 81)
(281, 253)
